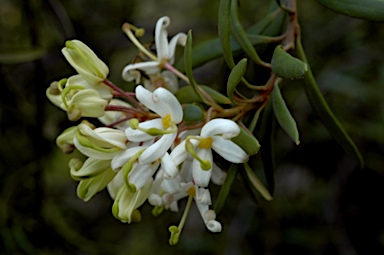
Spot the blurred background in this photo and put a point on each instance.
(323, 203)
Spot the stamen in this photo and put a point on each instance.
(176, 231)
(204, 163)
(167, 121)
(127, 30)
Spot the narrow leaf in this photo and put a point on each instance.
(363, 9)
(188, 66)
(187, 95)
(240, 35)
(283, 116)
(286, 66)
(256, 183)
(224, 30)
(226, 188)
(235, 77)
(267, 151)
(324, 113)
(247, 142)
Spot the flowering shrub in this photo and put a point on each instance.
(165, 140)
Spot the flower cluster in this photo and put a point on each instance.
(146, 151)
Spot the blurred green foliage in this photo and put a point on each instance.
(322, 203)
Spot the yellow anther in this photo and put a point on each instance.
(206, 143)
(167, 121)
(191, 191)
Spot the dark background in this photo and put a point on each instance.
(323, 203)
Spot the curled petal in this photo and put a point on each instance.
(213, 226)
(161, 37)
(181, 39)
(130, 72)
(229, 150)
(227, 128)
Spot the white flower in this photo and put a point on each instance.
(165, 52)
(216, 135)
(165, 104)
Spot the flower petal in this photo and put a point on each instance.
(200, 176)
(218, 175)
(161, 101)
(179, 153)
(122, 157)
(169, 167)
(116, 183)
(141, 173)
(158, 149)
(229, 150)
(226, 127)
(172, 186)
(172, 84)
(181, 39)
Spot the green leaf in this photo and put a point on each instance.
(267, 151)
(247, 142)
(224, 30)
(21, 56)
(363, 9)
(324, 113)
(192, 113)
(187, 95)
(256, 183)
(235, 77)
(283, 116)
(188, 66)
(286, 66)
(224, 191)
(241, 37)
